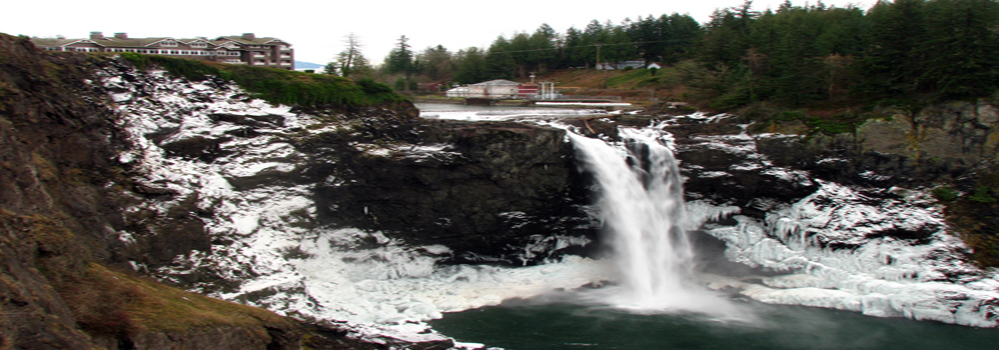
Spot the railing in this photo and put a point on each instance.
(585, 97)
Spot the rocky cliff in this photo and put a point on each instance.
(60, 206)
(193, 181)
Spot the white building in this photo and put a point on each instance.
(493, 89)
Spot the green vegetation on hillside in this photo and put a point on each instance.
(900, 52)
(278, 85)
(975, 215)
(106, 300)
(814, 58)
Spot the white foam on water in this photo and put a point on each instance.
(643, 213)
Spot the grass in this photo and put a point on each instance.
(108, 302)
(159, 307)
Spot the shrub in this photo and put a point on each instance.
(273, 85)
(946, 194)
(982, 194)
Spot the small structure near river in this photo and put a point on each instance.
(499, 89)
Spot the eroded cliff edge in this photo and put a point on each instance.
(60, 205)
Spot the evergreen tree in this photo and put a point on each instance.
(470, 65)
(649, 41)
(892, 63)
(618, 45)
(544, 43)
(436, 63)
(961, 48)
(680, 37)
(400, 59)
(500, 63)
(575, 53)
(520, 51)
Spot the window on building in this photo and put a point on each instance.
(199, 45)
(168, 43)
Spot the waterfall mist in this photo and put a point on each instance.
(640, 200)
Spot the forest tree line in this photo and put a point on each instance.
(897, 51)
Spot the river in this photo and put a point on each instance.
(549, 324)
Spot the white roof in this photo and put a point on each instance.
(498, 82)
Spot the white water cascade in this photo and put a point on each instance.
(642, 209)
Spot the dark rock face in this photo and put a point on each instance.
(481, 188)
(940, 143)
(53, 161)
(211, 338)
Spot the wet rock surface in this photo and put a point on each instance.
(480, 188)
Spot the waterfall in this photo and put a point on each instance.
(640, 200)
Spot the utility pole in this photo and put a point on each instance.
(598, 54)
(598, 64)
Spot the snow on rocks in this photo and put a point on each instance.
(882, 252)
(844, 250)
(234, 157)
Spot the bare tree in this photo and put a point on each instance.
(348, 56)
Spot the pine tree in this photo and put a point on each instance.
(544, 44)
(961, 48)
(682, 34)
(400, 59)
(470, 66)
(499, 61)
(893, 61)
(436, 63)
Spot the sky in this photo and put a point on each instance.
(317, 29)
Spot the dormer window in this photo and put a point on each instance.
(168, 43)
(199, 45)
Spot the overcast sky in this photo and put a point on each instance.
(317, 29)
